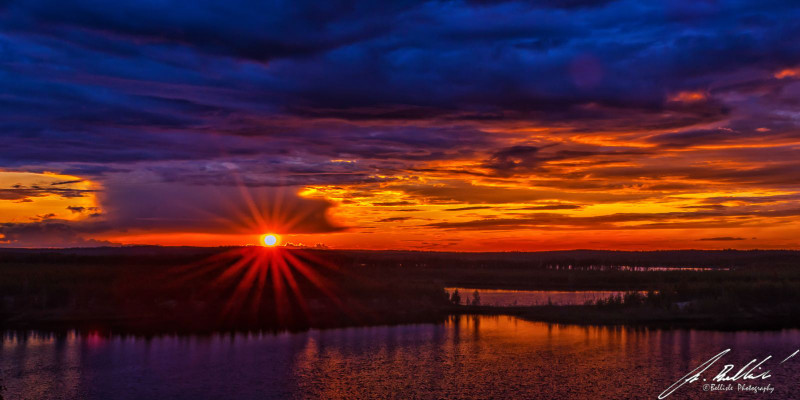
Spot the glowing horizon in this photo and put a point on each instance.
(582, 232)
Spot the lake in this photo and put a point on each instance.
(465, 357)
(506, 298)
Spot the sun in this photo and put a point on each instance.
(268, 239)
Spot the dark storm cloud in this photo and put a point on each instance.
(515, 157)
(183, 207)
(526, 159)
(49, 233)
(156, 80)
(284, 94)
(253, 30)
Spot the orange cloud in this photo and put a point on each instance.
(688, 96)
(28, 196)
(787, 73)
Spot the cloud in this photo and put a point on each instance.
(147, 205)
(162, 87)
(171, 108)
(95, 211)
(51, 233)
(549, 207)
(133, 204)
(524, 160)
(20, 192)
(514, 157)
(393, 203)
(394, 219)
(469, 208)
(721, 239)
(665, 220)
(452, 191)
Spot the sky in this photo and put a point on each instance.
(438, 125)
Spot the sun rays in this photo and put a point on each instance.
(255, 283)
(268, 280)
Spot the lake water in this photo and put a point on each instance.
(505, 298)
(466, 357)
(635, 268)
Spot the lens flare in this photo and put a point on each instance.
(268, 282)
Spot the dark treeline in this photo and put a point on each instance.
(541, 260)
(762, 302)
(163, 289)
(201, 290)
(580, 259)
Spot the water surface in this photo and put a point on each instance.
(506, 298)
(466, 357)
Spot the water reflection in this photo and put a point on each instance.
(510, 298)
(467, 357)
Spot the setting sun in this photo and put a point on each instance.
(269, 240)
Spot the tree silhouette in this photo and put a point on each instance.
(455, 298)
(476, 298)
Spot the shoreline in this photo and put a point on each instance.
(579, 315)
(641, 318)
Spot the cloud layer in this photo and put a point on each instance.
(510, 116)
